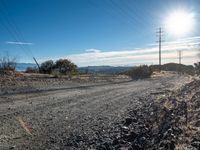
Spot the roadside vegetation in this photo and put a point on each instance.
(140, 72)
(197, 65)
(7, 63)
(59, 67)
(197, 68)
(32, 70)
(145, 71)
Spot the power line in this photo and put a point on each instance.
(131, 20)
(131, 14)
(12, 28)
(140, 15)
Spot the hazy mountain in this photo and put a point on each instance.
(103, 69)
(119, 69)
(90, 69)
(23, 66)
(175, 67)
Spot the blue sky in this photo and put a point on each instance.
(93, 32)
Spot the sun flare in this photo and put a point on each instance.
(180, 23)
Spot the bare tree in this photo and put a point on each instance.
(7, 62)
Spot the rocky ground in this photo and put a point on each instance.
(169, 122)
(157, 113)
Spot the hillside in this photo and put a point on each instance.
(119, 69)
(89, 69)
(103, 69)
(175, 67)
(23, 66)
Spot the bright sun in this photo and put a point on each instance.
(180, 23)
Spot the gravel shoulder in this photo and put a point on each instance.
(48, 118)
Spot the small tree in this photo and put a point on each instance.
(47, 67)
(65, 66)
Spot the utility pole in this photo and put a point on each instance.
(36, 63)
(180, 56)
(160, 34)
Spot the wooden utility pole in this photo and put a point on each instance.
(36, 63)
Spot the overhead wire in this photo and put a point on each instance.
(131, 21)
(133, 16)
(13, 29)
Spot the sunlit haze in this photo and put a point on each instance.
(180, 22)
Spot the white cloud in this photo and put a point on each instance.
(92, 50)
(92, 57)
(183, 41)
(131, 57)
(18, 43)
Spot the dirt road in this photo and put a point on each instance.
(46, 119)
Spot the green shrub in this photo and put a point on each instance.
(140, 72)
(66, 67)
(47, 67)
(61, 67)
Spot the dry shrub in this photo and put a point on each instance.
(140, 72)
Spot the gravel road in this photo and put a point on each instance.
(46, 119)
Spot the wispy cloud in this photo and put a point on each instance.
(189, 47)
(92, 50)
(188, 41)
(131, 58)
(18, 43)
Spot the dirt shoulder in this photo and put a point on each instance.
(78, 117)
(24, 83)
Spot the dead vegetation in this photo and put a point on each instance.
(18, 82)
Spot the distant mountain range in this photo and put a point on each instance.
(103, 69)
(116, 70)
(23, 66)
(89, 69)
